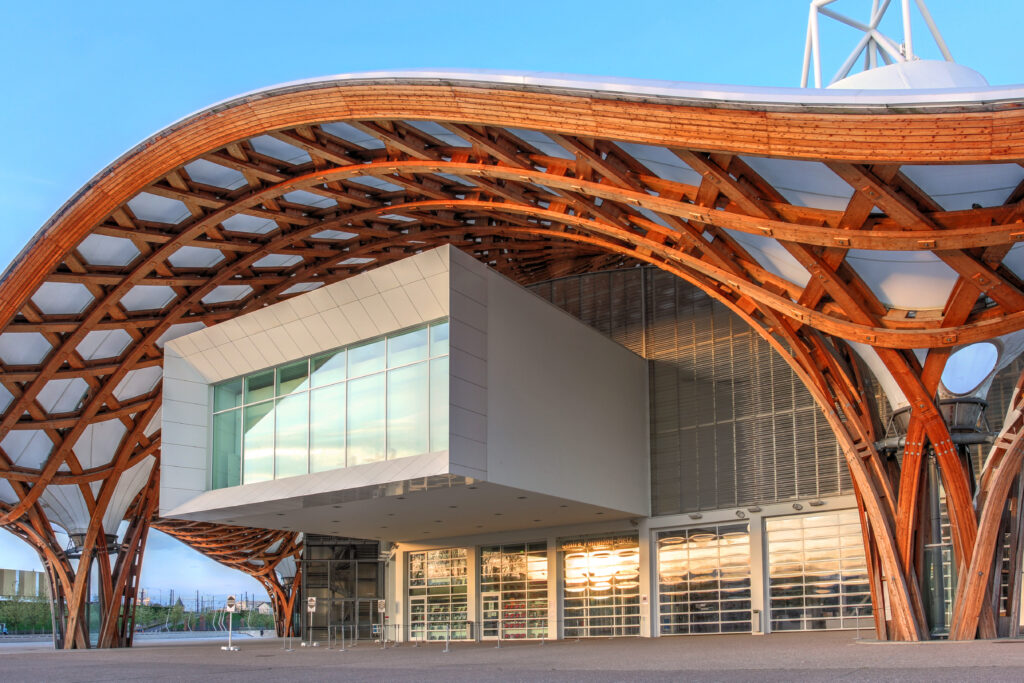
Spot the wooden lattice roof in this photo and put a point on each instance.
(781, 208)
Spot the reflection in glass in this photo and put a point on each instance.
(439, 404)
(328, 368)
(515, 576)
(407, 348)
(817, 573)
(292, 377)
(227, 395)
(704, 579)
(323, 420)
(438, 595)
(227, 448)
(327, 428)
(407, 410)
(367, 414)
(439, 339)
(366, 358)
(258, 443)
(259, 387)
(602, 587)
(290, 448)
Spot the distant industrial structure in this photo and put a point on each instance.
(23, 583)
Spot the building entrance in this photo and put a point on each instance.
(602, 587)
(704, 579)
(817, 572)
(514, 591)
(346, 577)
(438, 597)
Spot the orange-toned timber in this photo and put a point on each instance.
(534, 216)
(256, 552)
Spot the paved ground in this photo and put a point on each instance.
(835, 657)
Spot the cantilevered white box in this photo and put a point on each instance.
(547, 419)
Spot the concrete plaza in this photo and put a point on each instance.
(835, 656)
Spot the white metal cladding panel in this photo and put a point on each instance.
(731, 424)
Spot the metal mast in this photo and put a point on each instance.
(873, 45)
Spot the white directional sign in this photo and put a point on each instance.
(229, 605)
(310, 605)
(380, 606)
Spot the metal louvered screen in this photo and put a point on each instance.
(731, 424)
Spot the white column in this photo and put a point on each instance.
(396, 591)
(648, 567)
(554, 598)
(758, 574)
(473, 590)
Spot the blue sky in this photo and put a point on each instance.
(84, 82)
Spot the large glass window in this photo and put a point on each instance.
(378, 400)
(602, 587)
(818, 577)
(514, 591)
(438, 595)
(704, 579)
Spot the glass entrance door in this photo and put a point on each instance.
(368, 619)
(417, 618)
(490, 611)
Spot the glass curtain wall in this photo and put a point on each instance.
(704, 579)
(514, 591)
(377, 400)
(601, 587)
(818, 578)
(438, 595)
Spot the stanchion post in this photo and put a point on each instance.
(229, 607)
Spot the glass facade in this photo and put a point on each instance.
(377, 400)
(818, 578)
(514, 591)
(347, 579)
(704, 580)
(438, 595)
(601, 587)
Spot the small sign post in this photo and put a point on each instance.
(229, 607)
(311, 609)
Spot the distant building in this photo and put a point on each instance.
(23, 583)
